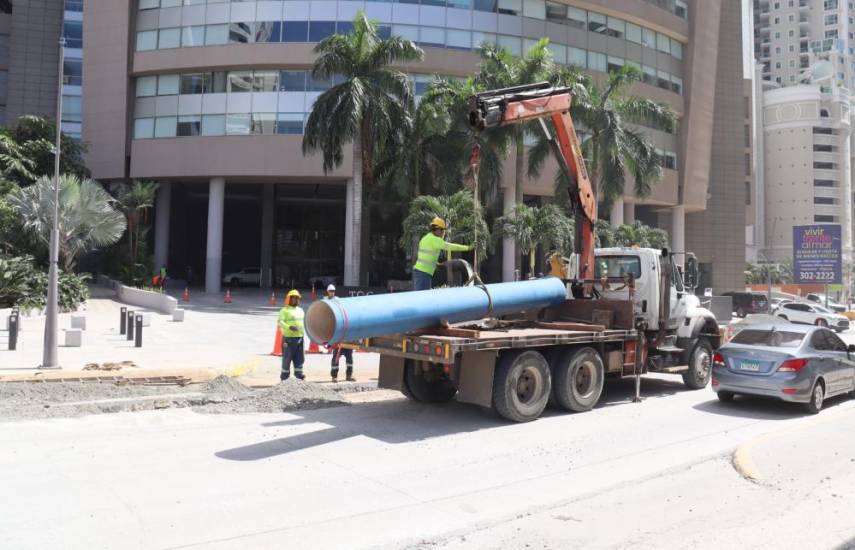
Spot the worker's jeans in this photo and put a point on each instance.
(348, 361)
(292, 350)
(421, 280)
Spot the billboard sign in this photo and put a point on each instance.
(817, 257)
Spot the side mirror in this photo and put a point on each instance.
(690, 272)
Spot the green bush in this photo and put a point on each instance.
(23, 285)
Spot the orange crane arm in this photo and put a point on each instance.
(539, 101)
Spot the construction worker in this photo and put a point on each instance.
(338, 351)
(429, 248)
(291, 325)
(163, 277)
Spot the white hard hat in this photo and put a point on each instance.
(331, 288)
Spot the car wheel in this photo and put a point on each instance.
(700, 365)
(821, 323)
(725, 396)
(817, 396)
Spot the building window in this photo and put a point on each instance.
(169, 38)
(146, 86)
(488, 6)
(165, 126)
(216, 34)
(748, 193)
(194, 83)
(265, 81)
(289, 123)
(149, 4)
(146, 40)
(190, 125)
(616, 27)
(823, 218)
(72, 72)
(144, 128)
(633, 33)
(824, 200)
(193, 36)
(238, 124)
(167, 84)
(72, 108)
(263, 123)
(556, 12)
(271, 31)
(510, 7)
(577, 18)
(597, 61)
(648, 38)
(213, 125)
(240, 81)
(578, 57)
(747, 164)
(596, 22)
(824, 166)
(318, 30)
(72, 31)
(295, 31)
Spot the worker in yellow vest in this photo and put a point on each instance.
(291, 325)
(428, 256)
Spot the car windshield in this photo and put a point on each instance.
(771, 338)
(618, 266)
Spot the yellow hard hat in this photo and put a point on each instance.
(438, 222)
(294, 293)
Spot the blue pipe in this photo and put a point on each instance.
(350, 319)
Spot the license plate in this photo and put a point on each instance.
(752, 366)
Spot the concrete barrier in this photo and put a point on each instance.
(73, 337)
(78, 321)
(147, 299)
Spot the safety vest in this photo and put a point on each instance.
(291, 316)
(429, 248)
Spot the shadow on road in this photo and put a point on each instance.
(760, 408)
(403, 421)
(398, 421)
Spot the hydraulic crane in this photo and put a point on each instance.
(540, 101)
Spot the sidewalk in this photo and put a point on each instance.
(234, 338)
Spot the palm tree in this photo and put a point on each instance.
(532, 226)
(14, 164)
(612, 148)
(135, 200)
(368, 105)
(639, 234)
(88, 217)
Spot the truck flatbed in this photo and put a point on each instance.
(442, 345)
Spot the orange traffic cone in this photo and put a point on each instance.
(272, 300)
(277, 345)
(186, 296)
(313, 347)
(228, 299)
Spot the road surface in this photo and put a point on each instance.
(395, 474)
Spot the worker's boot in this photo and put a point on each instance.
(334, 374)
(349, 374)
(298, 374)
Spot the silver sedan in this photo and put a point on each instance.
(797, 363)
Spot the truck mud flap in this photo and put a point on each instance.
(475, 382)
(391, 373)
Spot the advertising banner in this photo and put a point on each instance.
(817, 256)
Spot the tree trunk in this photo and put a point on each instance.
(531, 257)
(356, 208)
(519, 172)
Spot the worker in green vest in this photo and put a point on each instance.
(291, 325)
(428, 256)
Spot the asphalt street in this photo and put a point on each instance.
(395, 474)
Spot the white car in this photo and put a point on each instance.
(821, 300)
(246, 276)
(812, 314)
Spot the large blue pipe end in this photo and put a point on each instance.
(350, 319)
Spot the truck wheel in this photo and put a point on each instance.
(700, 365)
(426, 387)
(521, 386)
(578, 379)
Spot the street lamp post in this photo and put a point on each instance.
(49, 358)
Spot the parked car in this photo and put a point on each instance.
(812, 314)
(788, 362)
(820, 299)
(246, 276)
(748, 302)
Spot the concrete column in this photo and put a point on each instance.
(678, 233)
(509, 248)
(348, 235)
(616, 217)
(161, 225)
(629, 213)
(268, 205)
(214, 258)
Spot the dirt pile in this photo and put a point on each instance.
(223, 395)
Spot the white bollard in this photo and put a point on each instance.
(73, 337)
(178, 315)
(78, 321)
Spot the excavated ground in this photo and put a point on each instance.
(25, 400)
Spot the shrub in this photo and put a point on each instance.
(23, 285)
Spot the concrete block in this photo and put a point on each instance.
(146, 318)
(78, 321)
(178, 315)
(73, 337)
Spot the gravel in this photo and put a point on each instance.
(222, 395)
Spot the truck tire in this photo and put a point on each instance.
(577, 381)
(426, 387)
(521, 386)
(700, 365)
